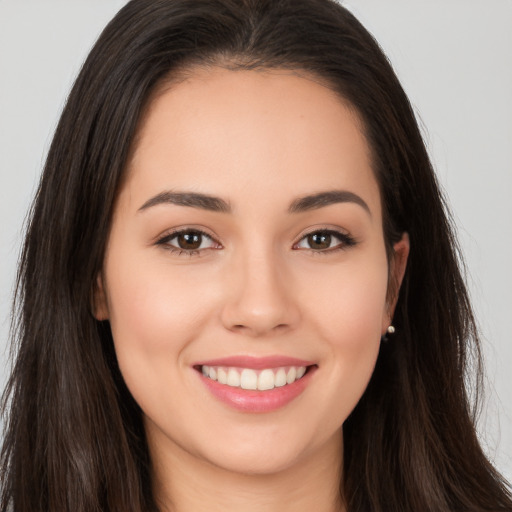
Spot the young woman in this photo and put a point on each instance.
(231, 296)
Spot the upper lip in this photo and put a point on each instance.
(256, 363)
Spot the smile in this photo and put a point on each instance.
(256, 385)
(248, 378)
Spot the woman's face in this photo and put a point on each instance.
(247, 245)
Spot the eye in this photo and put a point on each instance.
(188, 240)
(325, 241)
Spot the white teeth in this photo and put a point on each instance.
(290, 376)
(266, 380)
(233, 378)
(247, 378)
(222, 376)
(280, 378)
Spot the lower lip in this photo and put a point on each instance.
(249, 400)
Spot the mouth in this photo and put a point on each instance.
(254, 379)
(256, 385)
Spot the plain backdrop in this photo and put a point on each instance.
(454, 58)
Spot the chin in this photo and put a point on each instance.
(254, 462)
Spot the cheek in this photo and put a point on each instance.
(349, 302)
(154, 314)
(149, 294)
(347, 314)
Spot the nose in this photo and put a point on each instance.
(260, 297)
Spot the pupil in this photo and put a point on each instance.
(319, 241)
(189, 240)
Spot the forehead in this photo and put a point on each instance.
(220, 131)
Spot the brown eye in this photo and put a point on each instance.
(325, 241)
(319, 241)
(189, 240)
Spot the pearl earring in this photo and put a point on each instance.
(389, 330)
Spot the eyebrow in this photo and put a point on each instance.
(216, 204)
(192, 199)
(322, 199)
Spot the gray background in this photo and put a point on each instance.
(454, 60)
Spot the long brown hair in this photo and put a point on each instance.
(74, 436)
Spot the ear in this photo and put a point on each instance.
(397, 268)
(99, 300)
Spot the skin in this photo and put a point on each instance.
(258, 140)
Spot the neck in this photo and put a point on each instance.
(187, 483)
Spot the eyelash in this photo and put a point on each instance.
(166, 239)
(346, 241)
